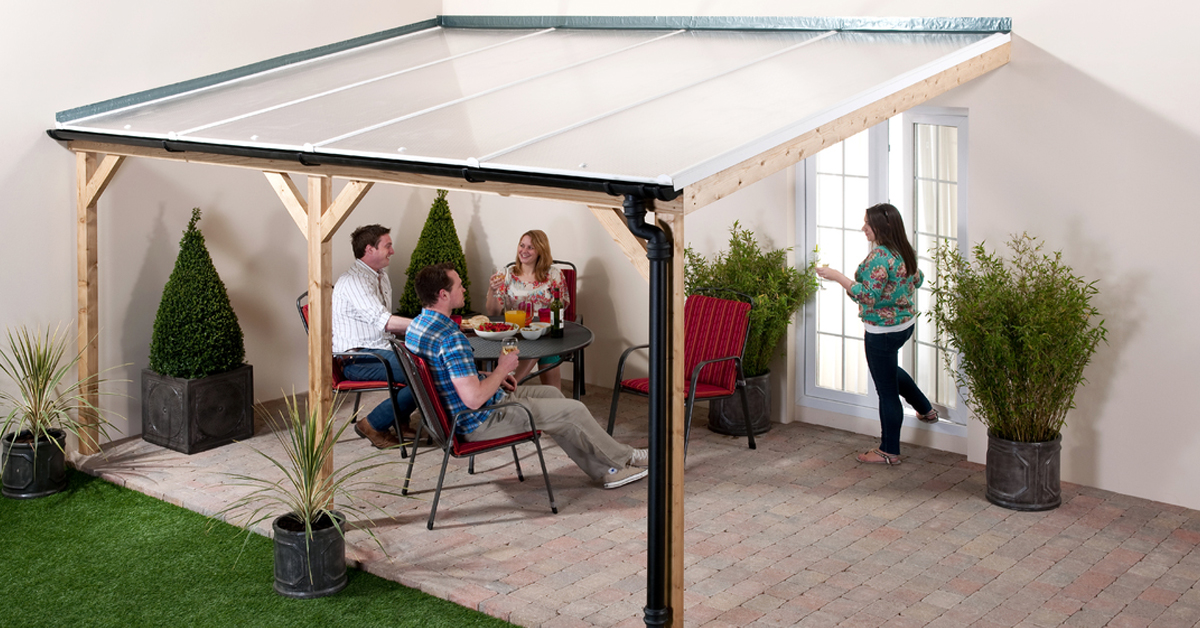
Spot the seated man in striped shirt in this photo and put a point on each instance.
(435, 337)
(363, 321)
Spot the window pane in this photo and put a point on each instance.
(946, 391)
(829, 160)
(856, 155)
(856, 371)
(923, 163)
(947, 153)
(926, 205)
(926, 372)
(857, 195)
(829, 361)
(829, 200)
(829, 309)
(948, 210)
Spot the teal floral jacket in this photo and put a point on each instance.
(884, 290)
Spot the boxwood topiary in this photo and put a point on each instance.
(438, 243)
(196, 333)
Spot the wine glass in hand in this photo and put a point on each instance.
(507, 346)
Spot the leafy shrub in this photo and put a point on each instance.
(438, 243)
(1024, 331)
(778, 290)
(196, 333)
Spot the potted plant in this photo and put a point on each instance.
(42, 411)
(197, 393)
(309, 539)
(438, 243)
(1025, 328)
(778, 289)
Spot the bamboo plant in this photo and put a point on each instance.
(1025, 329)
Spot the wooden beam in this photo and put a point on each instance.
(673, 225)
(370, 175)
(100, 178)
(320, 300)
(287, 191)
(347, 200)
(752, 170)
(89, 297)
(634, 248)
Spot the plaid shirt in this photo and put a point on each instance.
(446, 351)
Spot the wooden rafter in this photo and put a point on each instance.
(634, 248)
(756, 168)
(339, 211)
(293, 201)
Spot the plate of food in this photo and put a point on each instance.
(496, 331)
(470, 324)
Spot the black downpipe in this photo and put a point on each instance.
(658, 250)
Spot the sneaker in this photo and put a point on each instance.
(621, 477)
(641, 458)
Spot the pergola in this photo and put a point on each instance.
(622, 114)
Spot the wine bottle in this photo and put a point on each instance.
(556, 322)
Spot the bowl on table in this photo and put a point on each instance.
(531, 332)
(496, 331)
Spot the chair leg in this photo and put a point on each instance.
(471, 465)
(438, 493)
(545, 475)
(687, 419)
(408, 474)
(746, 415)
(354, 414)
(612, 410)
(517, 460)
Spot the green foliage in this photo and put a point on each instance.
(196, 333)
(307, 440)
(438, 243)
(46, 396)
(778, 290)
(1024, 329)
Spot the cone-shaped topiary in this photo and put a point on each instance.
(196, 332)
(438, 243)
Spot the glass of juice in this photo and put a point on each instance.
(516, 317)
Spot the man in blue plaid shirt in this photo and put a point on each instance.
(436, 338)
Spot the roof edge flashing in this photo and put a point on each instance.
(869, 24)
(202, 82)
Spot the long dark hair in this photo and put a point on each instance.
(884, 219)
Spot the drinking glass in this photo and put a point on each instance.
(507, 346)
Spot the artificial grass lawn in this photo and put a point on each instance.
(101, 555)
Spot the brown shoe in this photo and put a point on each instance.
(381, 440)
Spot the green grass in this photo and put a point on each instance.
(99, 555)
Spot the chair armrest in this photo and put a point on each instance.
(699, 367)
(387, 367)
(625, 356)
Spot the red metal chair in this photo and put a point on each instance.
(443, 429)
(715, 332)
(358, 387)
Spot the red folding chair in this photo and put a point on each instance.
(715, 332)
(358, 387)
(443, 429)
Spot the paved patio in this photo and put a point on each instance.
(796, 533)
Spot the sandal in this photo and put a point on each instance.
(875, 456)
(929, 417)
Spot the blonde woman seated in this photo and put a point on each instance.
(531, 280)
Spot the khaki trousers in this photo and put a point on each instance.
(567, 421)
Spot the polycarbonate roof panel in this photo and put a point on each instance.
(638, 102)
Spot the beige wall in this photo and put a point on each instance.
(1086, 139)
(1089, 139)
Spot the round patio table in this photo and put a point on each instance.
(575, 338)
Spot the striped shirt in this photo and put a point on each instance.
(361, 308)
(447, 353)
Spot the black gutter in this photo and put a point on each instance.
(658, 250)
(469, 174)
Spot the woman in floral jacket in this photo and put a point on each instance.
(885, 286)
(532, 281)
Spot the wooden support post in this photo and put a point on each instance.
(91, 178)
(320, 298)
(673, 225)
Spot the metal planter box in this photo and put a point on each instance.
(193, 415)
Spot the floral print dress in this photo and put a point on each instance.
(516, 292)
(884, 290)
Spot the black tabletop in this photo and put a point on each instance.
(575, 337)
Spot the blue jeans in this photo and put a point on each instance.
(892, 382)
(370, 369)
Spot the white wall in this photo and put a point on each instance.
(1085, 139)
(1088, 139)
(60, 55)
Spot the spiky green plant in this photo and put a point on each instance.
(46, 397)
(1025, 329)
(778, 288)
(438, 243)
(307, 438)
